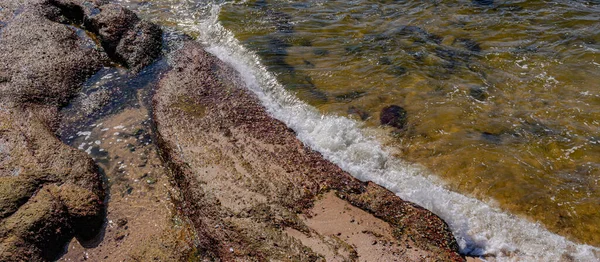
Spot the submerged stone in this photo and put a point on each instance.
(397, 70)
(478, 93)
(346, 97)
(492, 138)
(360, 112)
(393, 115)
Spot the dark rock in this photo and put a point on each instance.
(361, 113)
(393, 116)
(263, 159)
(347, 97)
(125, 37)
(121, 222)
(478, 93)
(397, 70)
(492, 138)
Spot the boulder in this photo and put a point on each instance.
(42, 61)
(248, 184)
(49, 192)
(126, 38)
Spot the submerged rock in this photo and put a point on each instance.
(360, 112)
(248, 184)
(478, 93)
(393, 116)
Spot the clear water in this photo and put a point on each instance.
(503, 104)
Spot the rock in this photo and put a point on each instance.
(43, 61)
(33, 158)
(393, 116)
(478, 93)
(125, 37)
(348, 97)
(50, 192)
(245, 178)
(397, 70)
(360, 112)
(492, 138)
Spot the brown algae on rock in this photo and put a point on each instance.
(234, 160)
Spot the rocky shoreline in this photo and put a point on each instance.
(242, 184)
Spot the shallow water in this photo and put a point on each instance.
(503, 100)
(503, 103)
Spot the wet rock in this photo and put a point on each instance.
(49, 192)
(397, 70)
(478, 93)
(361, 113)
(347, 97)
(125, 37)
(258, 177)
(75, 207)
(490, 137)
(393, 116)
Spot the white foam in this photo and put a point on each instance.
(479, 228)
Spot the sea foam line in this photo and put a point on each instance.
(480, 229)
